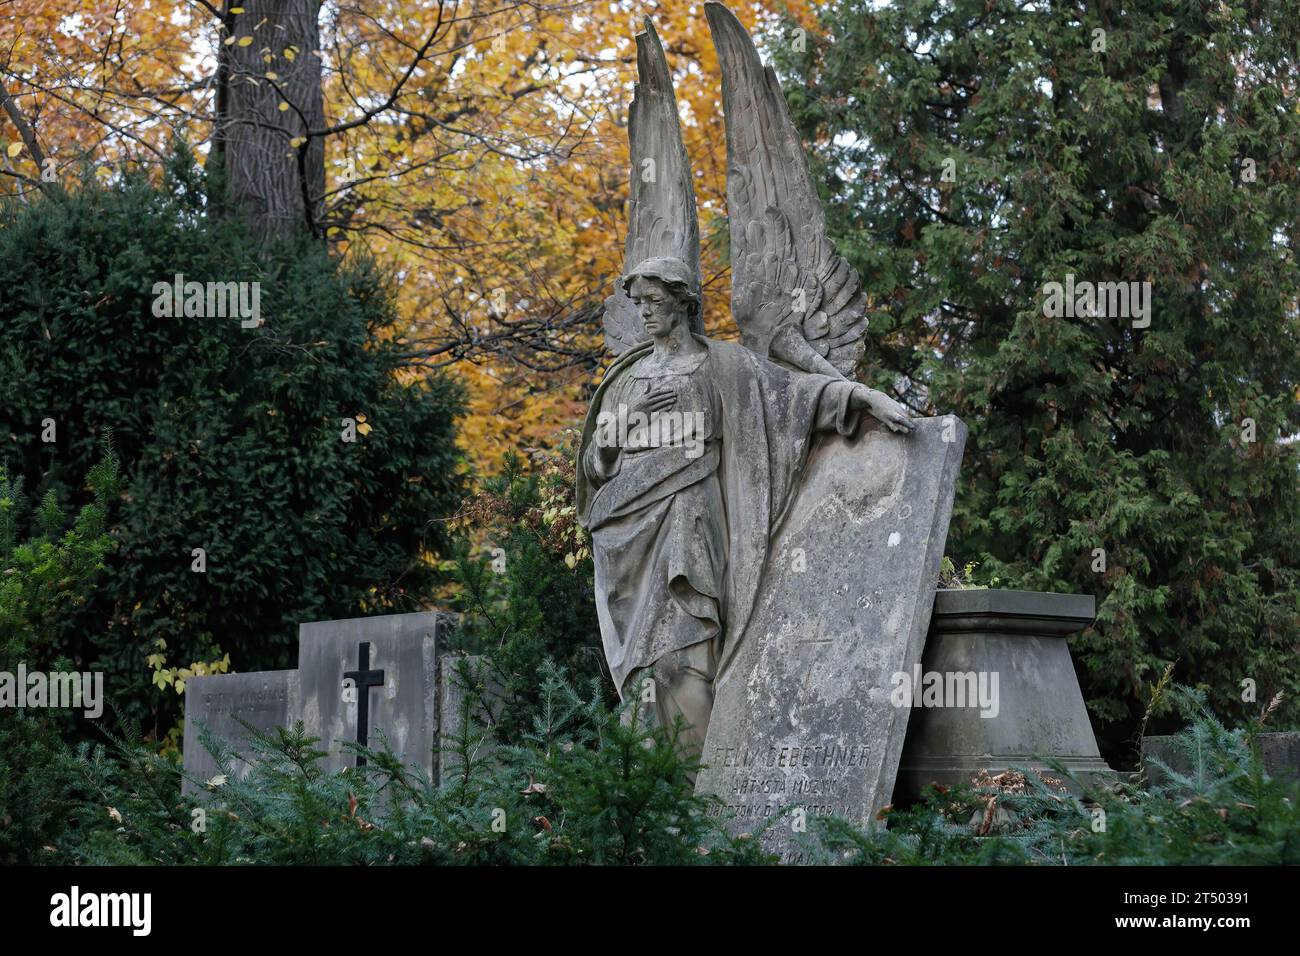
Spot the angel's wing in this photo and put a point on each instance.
(661, 217)
(792, 295)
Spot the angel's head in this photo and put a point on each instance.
(666, 294)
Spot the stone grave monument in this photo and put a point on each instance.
(356, 679)
(766, 531)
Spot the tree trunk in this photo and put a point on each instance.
(268, 99)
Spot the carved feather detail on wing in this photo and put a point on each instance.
(781, 258)
(661, 216)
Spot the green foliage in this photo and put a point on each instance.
(231, 438)
(1226, 811)
(586, 785)
(583, 786)
(1169, 157)
(45, 567)
(526, 584)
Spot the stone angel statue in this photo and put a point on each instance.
(693, 449)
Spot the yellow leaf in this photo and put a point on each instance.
(364, 428)
(296, 142)
(283, 106)
(272, 75)
(15, 149)
(360, 417)
(228, 40)
(333, 231)
(236, 9)
(180, 687)
(245, 41)
(290, 52)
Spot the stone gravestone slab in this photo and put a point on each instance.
(367, 675)
(1279, 753)
(802, 718)
(263, 699)
(467, 687)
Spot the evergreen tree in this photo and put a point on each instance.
(974, 151)
(309, 475)
(46, 566)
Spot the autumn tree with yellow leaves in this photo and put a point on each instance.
(477, 150)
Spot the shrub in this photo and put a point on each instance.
(45, 567)
(231, 438)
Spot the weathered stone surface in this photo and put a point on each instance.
(802, 716)
(402, 704)
(263, 699)
(1279, 752)
(466, 686)
(1013, 642)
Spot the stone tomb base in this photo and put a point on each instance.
(1013, 644)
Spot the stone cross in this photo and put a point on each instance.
(363, 679)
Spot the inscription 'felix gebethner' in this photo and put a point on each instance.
(746, 779)
(803, 757)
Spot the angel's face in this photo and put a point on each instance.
(659, 308)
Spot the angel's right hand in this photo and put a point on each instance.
(657, 400)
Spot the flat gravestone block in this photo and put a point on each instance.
(1279, 753)
(467, 688)
(802, 716)
(370, 675)
(263, 699)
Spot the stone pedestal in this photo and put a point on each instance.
(1038, 710)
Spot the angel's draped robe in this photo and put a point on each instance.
(679, 542)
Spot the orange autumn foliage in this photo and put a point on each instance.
(494, 187)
